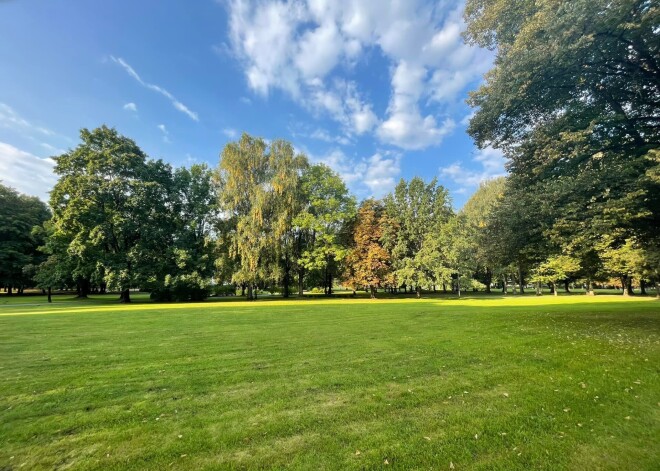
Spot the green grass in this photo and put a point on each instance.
(484, 383)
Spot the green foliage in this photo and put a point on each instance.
(418, 211)
(19, 214)
(572, 100)
(555, 269)
(321, 224)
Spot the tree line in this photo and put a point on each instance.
(572, 101)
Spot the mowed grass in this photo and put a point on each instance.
(486, 383)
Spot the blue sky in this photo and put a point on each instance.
(374, 89)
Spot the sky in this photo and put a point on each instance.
(376, 90)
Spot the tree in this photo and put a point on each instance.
(417, 209)
(109, 204)
(327, 207)
(286, 201)
(553, 270)
(572, 100)
(192, 215)
(456, 249)
(368, 262)
(625, 261)
(19, 214)
(478, 211)
(244, 187)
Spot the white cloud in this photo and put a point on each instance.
(156, 88)
(381, 174)
(130, 107)
(52, 149)
(231, 133)
(25, 172)
(166, 133)
(406, 127)
(492, 165)
(298, 46)
(10, 119)
(369, 176)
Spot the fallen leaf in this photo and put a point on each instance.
(357, 453)
(427, 438)
(451, 465)
(386, 462)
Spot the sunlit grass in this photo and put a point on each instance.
(516, 382)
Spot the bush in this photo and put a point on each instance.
(181, 288)
(224, 290)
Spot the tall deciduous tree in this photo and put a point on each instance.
(109, 204)
(244, 197)
(368, 261)
(573, 101)
(478, 211)
(286, 202)
(327, 207)
(418, 209)
(19, 214)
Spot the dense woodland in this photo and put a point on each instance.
(572, 100)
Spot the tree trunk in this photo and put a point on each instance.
(539, 291)
(458, 285)
(50, 299)
(372, 290)
(590, 287)
(488, 280)
(630, 286)
(83, 288)
(125, 296)
(657, 289)
(329, 282)
(555, 291)
(418, 290)
(566, 286)
(9, 290)
(301, 281)
(444, 287)
(504, 287)
(287, 269)
(249, 292)
(625, 286)
(642, 287)
(521, 282)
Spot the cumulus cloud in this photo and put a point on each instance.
(368, 176)
(156, 88)
(491, 162)
(26, 172)
(298, 46)
(130, 107)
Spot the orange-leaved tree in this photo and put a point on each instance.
(368, 263)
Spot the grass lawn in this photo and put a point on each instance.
(486, 383)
